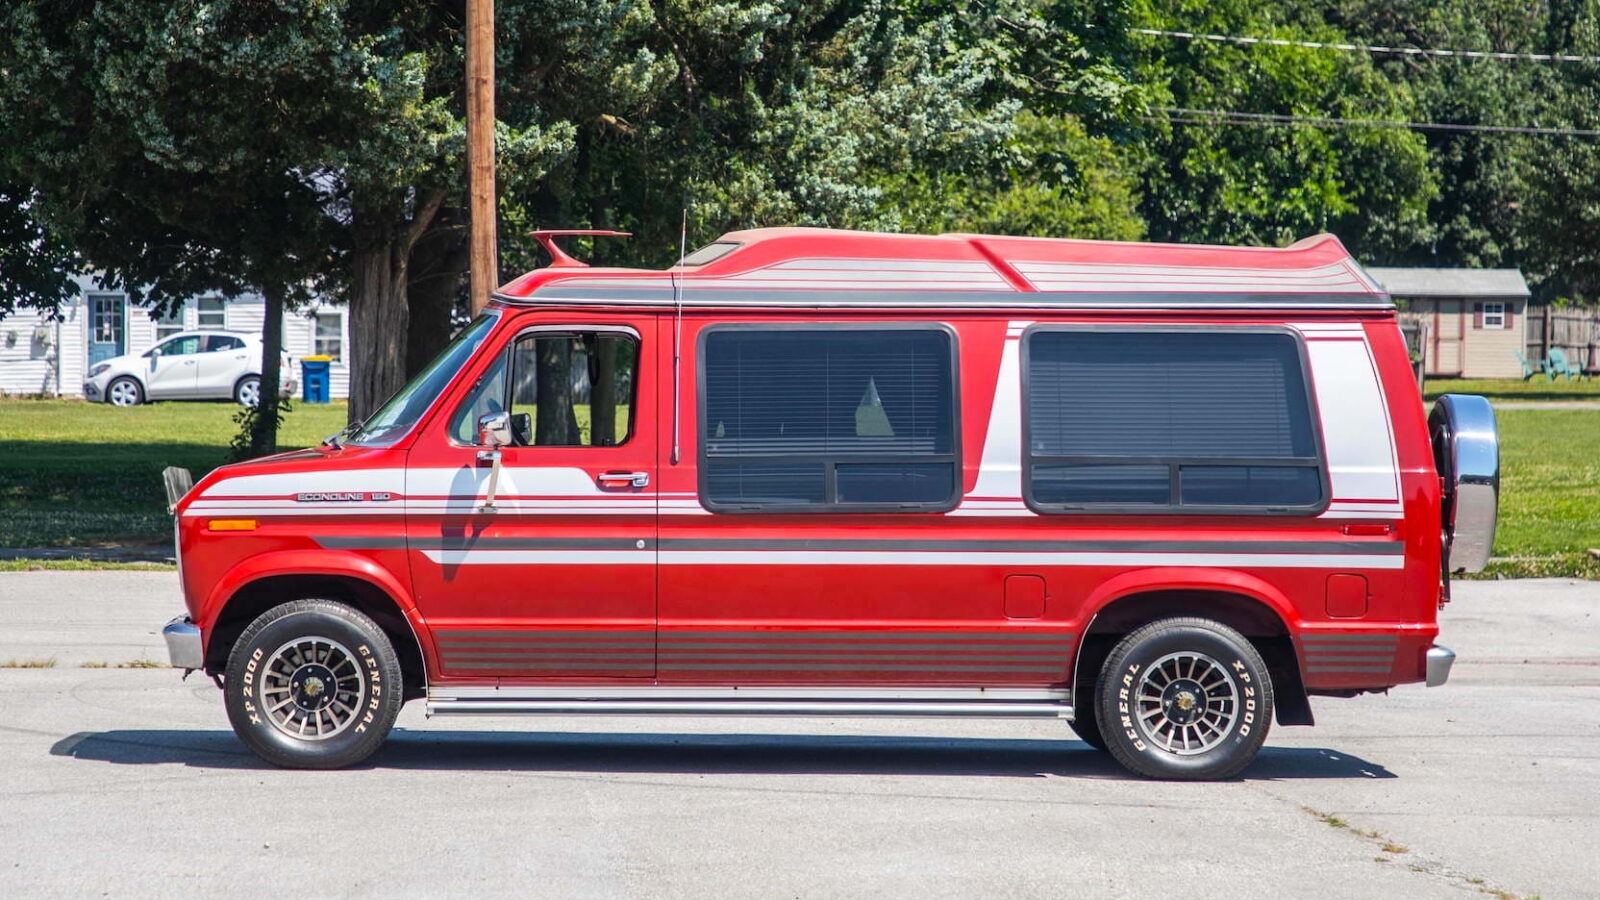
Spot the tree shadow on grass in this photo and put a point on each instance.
(701, 754)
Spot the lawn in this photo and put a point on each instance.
(75, 474)
(1536, 388)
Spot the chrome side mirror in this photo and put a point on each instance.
(494, 432)
(494, 429)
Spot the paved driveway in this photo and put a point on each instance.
(126, 782)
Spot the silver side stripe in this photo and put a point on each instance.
(1351, 548)
(906, 558)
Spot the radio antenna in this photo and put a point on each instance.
(677, 330)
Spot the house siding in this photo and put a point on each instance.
(59, 367)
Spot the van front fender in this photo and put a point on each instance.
(332, 563)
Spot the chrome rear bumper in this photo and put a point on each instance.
(185, 650)
(1440, 659)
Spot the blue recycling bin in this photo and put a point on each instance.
(314, 378)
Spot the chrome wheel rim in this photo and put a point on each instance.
(123, 393)
(249, 393)
(1187, 703)
(312, 688)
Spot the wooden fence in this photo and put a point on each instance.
(1575, 331)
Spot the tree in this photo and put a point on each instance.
(35, 266)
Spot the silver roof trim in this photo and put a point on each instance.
(729, 298)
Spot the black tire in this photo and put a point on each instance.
(1085, 723)
(277, 660)
(245, 388)
(127, 385)
(1229, 702)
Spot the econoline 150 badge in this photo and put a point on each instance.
(346, 496)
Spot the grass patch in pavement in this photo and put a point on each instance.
(77, 474)
(29, 663)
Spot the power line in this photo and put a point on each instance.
(1366, 48)
(1184, 116)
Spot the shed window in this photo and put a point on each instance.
(843, 417)
(1169, 421)
(1494, 315)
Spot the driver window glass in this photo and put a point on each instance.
(182, 346)
(563, 389)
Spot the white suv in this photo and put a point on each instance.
(193, 365)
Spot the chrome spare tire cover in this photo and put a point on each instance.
(1466, 451)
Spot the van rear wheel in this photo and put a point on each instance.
(1184, 699)
(313, 684)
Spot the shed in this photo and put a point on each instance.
(1472, 319)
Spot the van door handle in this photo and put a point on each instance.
(623, 479)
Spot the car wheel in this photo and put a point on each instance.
(1185, 699)
(125, 391)
(248, 391)
(313, 684)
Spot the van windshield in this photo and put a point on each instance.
(394, 418)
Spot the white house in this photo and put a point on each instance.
(43, 356)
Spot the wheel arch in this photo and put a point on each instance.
(1241, 601)
(264, 582)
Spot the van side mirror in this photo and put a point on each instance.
(494, 429)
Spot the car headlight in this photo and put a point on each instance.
(97, 368)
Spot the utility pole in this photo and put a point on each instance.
(480, 151)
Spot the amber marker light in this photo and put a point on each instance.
(231, 525)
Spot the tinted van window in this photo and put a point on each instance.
(837, 417)
(1179, 419)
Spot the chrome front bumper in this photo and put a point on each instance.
(186, 651)
(1440, 659)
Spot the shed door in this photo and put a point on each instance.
(107, 335)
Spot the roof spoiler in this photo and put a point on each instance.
(559, 259)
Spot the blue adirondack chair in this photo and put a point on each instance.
(1529, 369)
(1558, 365)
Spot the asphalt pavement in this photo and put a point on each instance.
(128, 783)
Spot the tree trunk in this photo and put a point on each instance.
(378, 314)
(264, 426)
(555, 423)
(437, 266)
(603, 392)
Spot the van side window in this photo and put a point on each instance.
(563, 389)
(1168, 420)
(839, 417)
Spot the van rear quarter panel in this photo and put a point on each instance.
(930, 573)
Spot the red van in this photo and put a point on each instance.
(1163, 493)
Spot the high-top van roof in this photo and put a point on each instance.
(824, 268)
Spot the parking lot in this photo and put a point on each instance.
(126, 782)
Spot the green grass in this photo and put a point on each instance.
(76, 474)
(1549, 493)
(1535, 389)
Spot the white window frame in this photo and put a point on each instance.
(202, 312)
(320, 342)
(170, 324)
(1494, 315)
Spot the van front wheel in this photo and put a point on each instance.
(1185, 699)
(313, 684)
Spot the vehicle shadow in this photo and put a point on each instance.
(713, 754)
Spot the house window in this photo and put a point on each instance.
(329, 337)
(169, 323)
(1168, 420)
(842, 417)
(213, 313)
(1494, 315)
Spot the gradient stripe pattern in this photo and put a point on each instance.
(938, 657)
(1350, 654)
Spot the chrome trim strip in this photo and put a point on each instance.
(376, 542)
(1440, 659)
(929, 709)
(184, 647)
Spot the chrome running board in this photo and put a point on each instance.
(825, 702)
